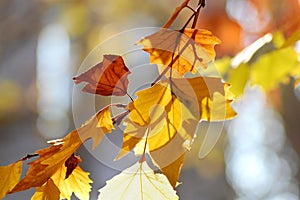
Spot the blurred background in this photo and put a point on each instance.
(44, 42)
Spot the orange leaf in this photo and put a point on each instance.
(53, 157)
(184, 52)
(78, 182)
(9, 177)
(50, 160)
(108, 77)
(48, 191)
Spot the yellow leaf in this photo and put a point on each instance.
(48, 191)
(159, 112)
(96, 127)
(172, 170)
(274, 68)
(78, 182)
(184, 52)
(295, 37)
(138, 182)
(53, 157)
(238, 78)
(198, 93)
(9, 177)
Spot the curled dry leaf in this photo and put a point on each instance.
(9, 177)
(108, 77)
(184, 52)
(138, 182)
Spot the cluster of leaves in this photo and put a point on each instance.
(161, 121)
(268, 62)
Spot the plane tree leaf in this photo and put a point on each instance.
(108, 77)
(184, 51)
(138, 182)
(9, 177)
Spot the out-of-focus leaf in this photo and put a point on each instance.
(9, 177)
(48, 191)
(108, 77)
(238, 78)
(138, 182)
(183, 52)
(291, 41)
(274, 68)
(78, 182)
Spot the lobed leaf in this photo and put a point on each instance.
(78, 183)
(138, 182)
(184, 52)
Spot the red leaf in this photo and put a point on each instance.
(108, 77)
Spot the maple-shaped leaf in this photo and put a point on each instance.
(48, 191)
(160, 113)
(108, 77)
(185, 51)
(9, 177)
(78, 183)
(52, 158)
(138, 182)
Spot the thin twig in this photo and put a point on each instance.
(176, 13)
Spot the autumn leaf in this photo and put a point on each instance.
(78, 182)
(108, 77)
(198, 93)
(9, 177)
(48, 191)
(167, 119)
(71, 164)
(138, 182)
(185, 51)
(52, 158)
(274, 68)
(157, 111)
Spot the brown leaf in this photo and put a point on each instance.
(108, 77)
(71, 164)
